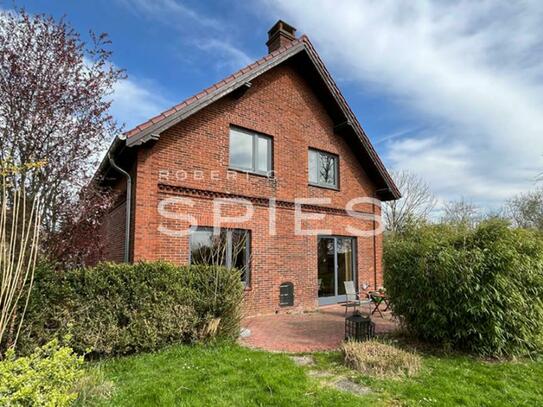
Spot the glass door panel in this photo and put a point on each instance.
(336, 264)
(345, 269)
(326, 267)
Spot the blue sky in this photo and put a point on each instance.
(452, 91)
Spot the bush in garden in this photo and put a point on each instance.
(47, 377)
(474, 289)
(115, 309)
(216, 297)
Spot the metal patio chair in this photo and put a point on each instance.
(352, 299)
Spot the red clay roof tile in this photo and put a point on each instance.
(143, 126)
(171, 111)
(157, 118)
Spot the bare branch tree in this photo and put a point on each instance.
(221, 250)
(526, 210)
(19, 235)
(461, 212)
(327, 168)
(54, 102)
(415, 205)
(216, 250)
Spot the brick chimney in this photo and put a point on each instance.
(279, 35)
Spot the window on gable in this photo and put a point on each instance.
(250, 151)
(323, 169)
(229, 248)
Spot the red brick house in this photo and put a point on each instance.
(273, 135)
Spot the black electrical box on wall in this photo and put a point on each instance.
(286, 294)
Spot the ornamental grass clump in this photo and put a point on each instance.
(380, 359)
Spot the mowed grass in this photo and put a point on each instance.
(455, 381)
(229, 375)
(220, 375)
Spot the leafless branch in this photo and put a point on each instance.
(415, 205)
(19, 235)
(461, 212)
(526, 210)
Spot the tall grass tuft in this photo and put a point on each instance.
(380, 359)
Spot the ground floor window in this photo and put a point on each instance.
(229, 248)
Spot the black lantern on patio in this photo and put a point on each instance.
(359, 327)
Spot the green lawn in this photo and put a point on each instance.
(229, 375)
(456, 381)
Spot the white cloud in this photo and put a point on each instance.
(470, 72)
(227, 55)
(136, 101)
(213, 36)
(169, 11)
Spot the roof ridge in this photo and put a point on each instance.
(164, 114)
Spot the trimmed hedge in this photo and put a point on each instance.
(478, 290)
(116, 309)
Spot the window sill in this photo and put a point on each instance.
(324, 186)
(249, 172)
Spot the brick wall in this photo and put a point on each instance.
(115, 233)
(111, 236)
(282, 105)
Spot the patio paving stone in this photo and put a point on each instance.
(305, 332)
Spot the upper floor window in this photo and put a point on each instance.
(323, 169)
(250, 151)
(229, 248)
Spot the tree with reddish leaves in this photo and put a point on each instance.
(54, 107)
(77, 243)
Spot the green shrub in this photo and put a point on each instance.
(478, 290)
(216, 296)
(46, 377)
(115, 309)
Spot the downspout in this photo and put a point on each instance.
(374, 245)
(128, 207)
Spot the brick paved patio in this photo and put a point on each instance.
(308, 332)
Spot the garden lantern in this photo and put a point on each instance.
(359, 327)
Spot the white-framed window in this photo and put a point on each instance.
(323, 169)
(230, 248)
(250, 151)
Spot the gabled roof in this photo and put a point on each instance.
(151, 129)
(168, 118)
